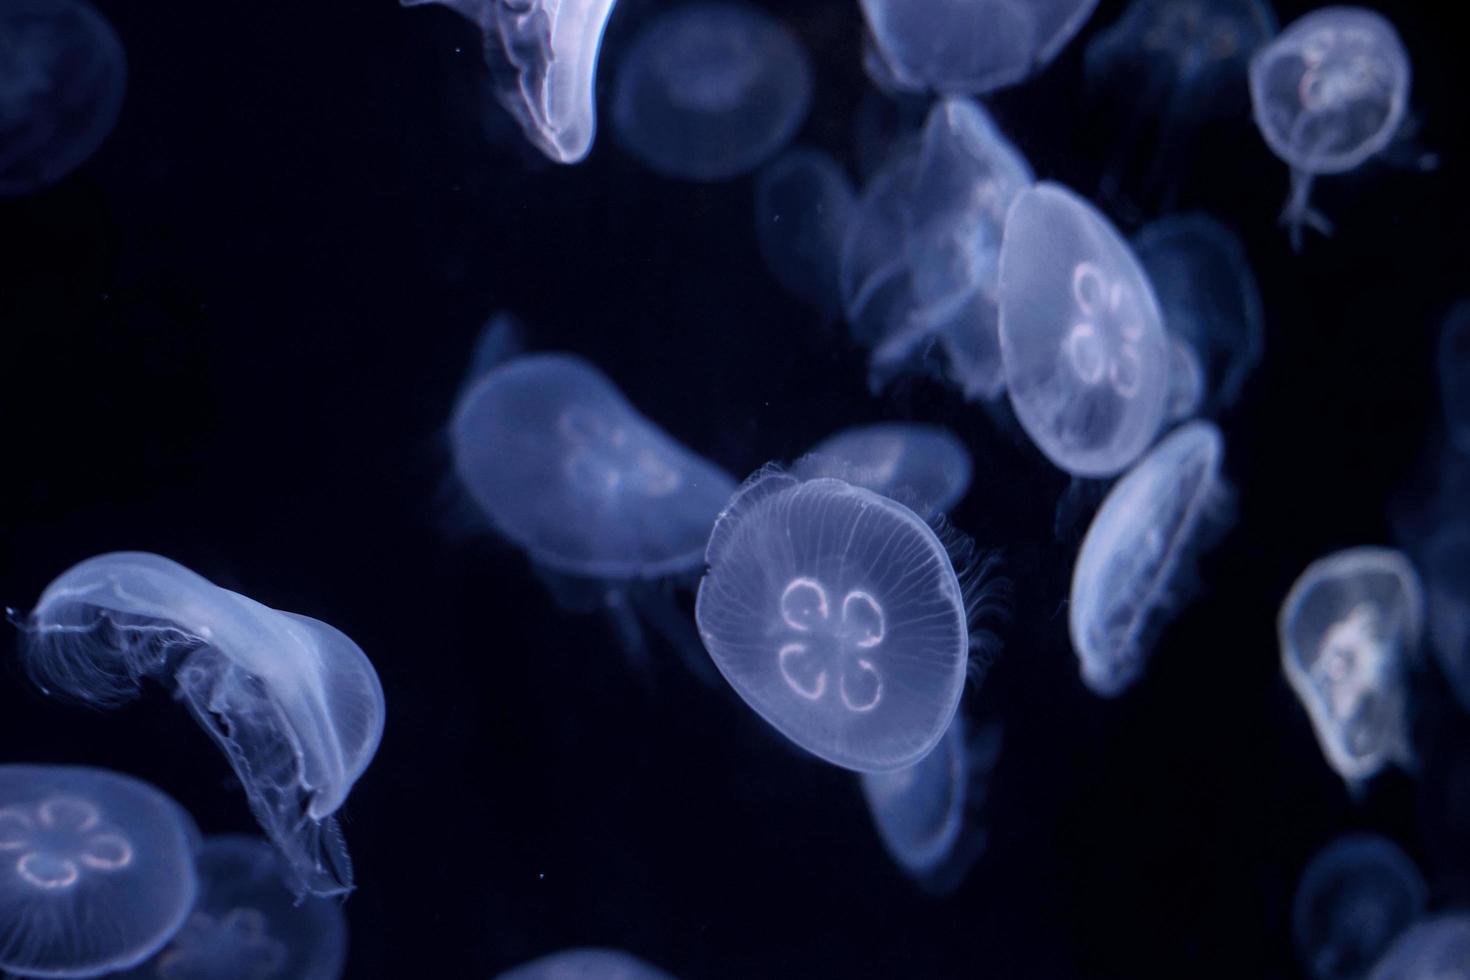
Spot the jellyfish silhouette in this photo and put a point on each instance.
(1445, 561)
(1454, 374)
(586, 964)
(1436, 948)
(96, 870)
(1358, 893)
(804, 204)
(923, 466)
(293, 703)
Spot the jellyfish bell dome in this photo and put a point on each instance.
(1356, 895)
(586, 964)
(922, 465)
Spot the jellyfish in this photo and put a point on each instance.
(1346, 629)
(1208, 298)
(1436, 948)
(1358, 893)
(1327, 94)
(96, 870)
(966, 47)
(923, 466)
(710, 90)
(543, 56)
(1081, 336)
(62, 75)
(246, 924)
(1138, 549)
(804, 203)
(1446, 566)
(293, 703)
(1454, 374)
(1186, 381)
(588, 963)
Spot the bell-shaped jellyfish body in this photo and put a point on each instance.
(247, 925)
(1137, 549)
(1454, 374)
(1081, 336)
(1328, 93)
(1358, 893)
(543, 54)
(837, 615)
(96, 870)
(589, 963)
(710, 90)
(803, 206)
(62, 75)
(1346, 629)
(966, 46)
(1186, 381)
(1446, 566)
(921, 465)
(294, 704)
(1208, 298)
(873, 275)
(1436, 948)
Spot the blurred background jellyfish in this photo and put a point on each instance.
(96, 870)
(586, 964)
(543, 55)
(62, 75)
(1346, 629)
(1445, 561)
(1454, 374)
(710, 90)
(966, 47)
(1186, 381)
(1328, 93)
(1436, 948)
(246, 924)
(1209, 301)
(803, 206)
(1081, 335)
(1359, 892)
(1138, 551)
(923, 466)
(293, 703)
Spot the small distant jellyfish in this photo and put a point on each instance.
(586, 964)
(1446, 566)
(293, 703)
(804, 204)
(62, 75)
(1328, 93)
(710, 90)
(1137, 550)
(1081, 335)
(1347, 628)
(923, 466)
(1358, 893)
(96, 870)
(1436, 948)
(1454, 375)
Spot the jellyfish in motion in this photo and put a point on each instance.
(1454, 374)
(923, 466)
(96, 870)
(1358, 893)
(62, 75)
(710, 90)
(1446, 565)
(803, 205)
(1081, 336)
(543, 55)
(293, 703)
(588, 963)
(1328, 93)
(1436, 948)
(1346, 629)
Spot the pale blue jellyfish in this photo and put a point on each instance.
(1138, 547)
(803, 206)
(837, 614)
(293, 703)
(1446, 567)
(1436, 948)
(589, 963)
(923, 466)
(1328, 93)
(1347, 629)
(1186, 381)
(543, 54)
(873, 275)
(1454, 375)
(1081, 335)
(1358, 893)
(96, 870)
(62, 75)
(710, 90)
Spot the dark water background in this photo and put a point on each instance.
(234, 338)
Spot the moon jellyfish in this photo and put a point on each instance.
(96, 870)
(1081, 336)
(543, 55)
(923, 466)
(1327, 94)
(710, 90)
(62, 75)
(966, 46)
(586, 964)
(1137, 549)
(1454, 374)
(1446, 565)
(1346, 629)
(1208, 297)
(836, 613)
(1437, 948)
(1358, 893)
(1186, 381)
(293, 703)
(803, 205)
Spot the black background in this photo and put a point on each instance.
(234, 337)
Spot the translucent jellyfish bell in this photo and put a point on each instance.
(924, 466)
(710, 90)
(96, 870)
(1454, 374)
(293, 703)
(586, 964)
(1437, 948)
(1186, 381)
(874, 272)
(1358, 893)
(1081, 336)
(62, 75)
(804, 204)
(1346, 628)
(1446, 565)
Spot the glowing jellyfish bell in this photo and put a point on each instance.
(924, 466)
(588, 963)
(804, 204)
(1436, 948)
(293, 703)
(1358, 893)
(96, 870)
(1328, 93)
(1081, 336)
(1347, 628)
